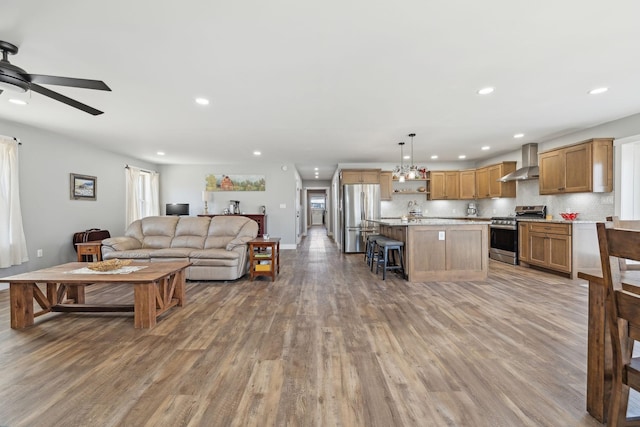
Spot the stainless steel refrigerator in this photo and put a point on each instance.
(360, 203)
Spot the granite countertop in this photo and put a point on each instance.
(558, 221)
(431, 221)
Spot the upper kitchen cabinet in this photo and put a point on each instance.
(360, 176)
(445, 185)
(583, 167)
(488, 185)
(468, 184)
(386, 185)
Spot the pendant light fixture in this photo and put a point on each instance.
(401, 176)
(413, 171)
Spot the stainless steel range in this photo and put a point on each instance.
(503, 233)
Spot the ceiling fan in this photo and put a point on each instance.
(18, 80)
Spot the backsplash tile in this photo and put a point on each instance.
(590, 206)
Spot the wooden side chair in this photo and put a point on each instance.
(623, 317)
(629, 224)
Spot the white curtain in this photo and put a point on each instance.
(13, 245)
(142, 193)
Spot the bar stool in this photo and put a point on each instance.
(375, 249)
(369, 248)
(389, 247)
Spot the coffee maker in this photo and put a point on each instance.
(472, 210)
(234, 207)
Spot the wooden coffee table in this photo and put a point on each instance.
(157, 287)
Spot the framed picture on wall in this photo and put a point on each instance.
(83, 187)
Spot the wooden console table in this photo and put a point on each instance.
(599, 357)
(261, 219)
(264, 257)
(157, 287)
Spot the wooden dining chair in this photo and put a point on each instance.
(629, 224)
(623, 317)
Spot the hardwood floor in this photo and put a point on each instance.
(327, 344)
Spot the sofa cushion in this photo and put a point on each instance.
(137, 254)
(171, 253)
(215, 253)
(158, 231)
(190, 232)
(224, 229)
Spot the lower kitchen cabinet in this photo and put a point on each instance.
(546, 245)
(523, 242)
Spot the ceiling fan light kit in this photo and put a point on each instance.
(16, 79)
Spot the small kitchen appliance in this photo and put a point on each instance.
(472, 210)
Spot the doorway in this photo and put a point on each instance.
(317, 208)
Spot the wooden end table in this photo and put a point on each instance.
(89, 248)
(264, 257)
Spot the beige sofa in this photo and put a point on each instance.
(216, 246)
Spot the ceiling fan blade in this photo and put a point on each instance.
(68, 81)
(58, 97)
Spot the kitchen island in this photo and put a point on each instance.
(437, 249)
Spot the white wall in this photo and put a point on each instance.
(49, 215)
(184, 184)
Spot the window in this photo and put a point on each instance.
(317, 202)
(142, 193)
(13, 245)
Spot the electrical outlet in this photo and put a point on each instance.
(440, 235)
(39, 253)
(608, 200)
(454, 210)
(283, 206)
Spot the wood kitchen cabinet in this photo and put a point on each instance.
(360, 176)
(487, 184)
(579, 168)
(468, 184)
(549, 245)
(445, 185)
(523, 242)
(386, 185)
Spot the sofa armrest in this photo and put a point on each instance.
(238, 241)
(120, 244)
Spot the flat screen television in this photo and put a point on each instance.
(177, 209)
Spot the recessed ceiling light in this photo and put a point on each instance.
(18, 101)
(598, 90)
(257, 153)
(202, 101)
(315, 169)
(435, 156)
(486, 147)
(518, 135)
(406, 157)
(317, 177)
(462, 156)
(160, 153)
(485, 91)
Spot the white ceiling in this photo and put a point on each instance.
(325, 82)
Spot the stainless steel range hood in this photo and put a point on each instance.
(529, 169)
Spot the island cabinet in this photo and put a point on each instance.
(547, 245)
(442, 250)
(360, 176)
(386, 185)
(579, 168)
(468, 184)
(445, 185)
(487, 184)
